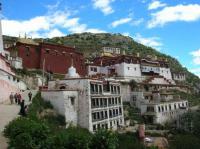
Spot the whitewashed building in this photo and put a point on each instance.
(8, 81)
(86, 102)
(163, 112)
(179, 76)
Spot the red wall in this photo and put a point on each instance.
(57, 62)
(31, 60)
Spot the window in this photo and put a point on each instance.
(110, 113)
(113, 101)
(27, 51)
(128, 68)
(114, 112)
(98, 115)
(170, 107)
(93, 102)
(120, 111)
(94, 116)
(92, 88)
(162, 108)
(72, 99)
(135, 68)
(100, 89)
(119, 100)
(94, 127)
(174, 106)
(159, 109)
(94, 69)
(106, 114)
(116, 100)
(109, 101)
(118, 89)
(47, 51)
(150, 109)
(101, 102)
(102, 117)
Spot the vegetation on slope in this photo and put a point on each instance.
(90, 44)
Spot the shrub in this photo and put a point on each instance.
(26, 133)
(71, 138)
(185, 142)
(129, 141)
(104, 139)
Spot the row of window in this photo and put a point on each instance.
(101, 115)
(104, 102)
(105, 125)
(97, 88)
(174, 106)
(94, 69)
(13, 78)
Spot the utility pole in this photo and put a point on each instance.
(43, 67)
(1, 35)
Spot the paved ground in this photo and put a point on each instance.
(9, 112)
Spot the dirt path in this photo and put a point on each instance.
(9, 112)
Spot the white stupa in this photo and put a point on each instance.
(72, 71)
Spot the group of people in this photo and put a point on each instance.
(17, 98)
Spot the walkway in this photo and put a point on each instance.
(9, 112)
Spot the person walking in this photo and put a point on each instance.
(22, 108)
(19, 98)
(30, 96)
(15, 96)
(11, 98)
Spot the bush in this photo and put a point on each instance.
(71, 138)
(37, 106)
(185, 142)
(26, 133)
(104, 139)
(129, 141)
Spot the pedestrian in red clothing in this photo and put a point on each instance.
(19, 97)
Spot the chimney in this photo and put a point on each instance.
(138, 54)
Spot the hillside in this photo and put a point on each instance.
(90, 43)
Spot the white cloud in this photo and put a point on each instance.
(195, 53)
(104, 6)
(153, 42)
(49, 25)
(196, 71)
(54, 33)
(126, 34)
(15, 27)
(155, 4)
(137, 22)
(180, 12)
(196, 56)
(120, 22)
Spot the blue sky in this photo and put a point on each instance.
(170, 26)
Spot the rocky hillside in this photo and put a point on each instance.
(90, 44)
